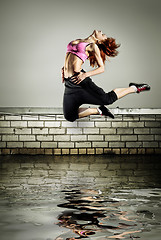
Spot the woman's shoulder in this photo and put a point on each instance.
(74, 42)
(77, 41)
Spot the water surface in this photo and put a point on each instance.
(78, 197)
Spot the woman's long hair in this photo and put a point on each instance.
(108, 48)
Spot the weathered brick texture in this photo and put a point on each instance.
(52, 134)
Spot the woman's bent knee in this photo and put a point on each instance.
(70, 118)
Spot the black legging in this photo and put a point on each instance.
(87, 92)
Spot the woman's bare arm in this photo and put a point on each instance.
(62, 74)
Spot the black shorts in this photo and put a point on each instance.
(87, 92)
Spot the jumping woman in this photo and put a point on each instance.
(79, 87)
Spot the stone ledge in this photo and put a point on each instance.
(57, 111)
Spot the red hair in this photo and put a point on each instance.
(107, 48)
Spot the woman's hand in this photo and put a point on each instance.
(62, 74)
(79, 78)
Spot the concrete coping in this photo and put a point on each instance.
(57, 111)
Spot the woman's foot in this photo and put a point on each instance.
(105, 111)
(140, 87)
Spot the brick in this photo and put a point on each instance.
(15, 151)
(82, 151)
(6, 130)
(158, 117)
(83, 144)
(90, 151)
(125, 131)
(118, 118)
(145, 137)
(131, 118)
(39, 151)
(119, 124)
(141, 130)
(65, 145)
(4, 123)
(69, 124)
(91, 130)
(134, 144)
(65, 151)
(95, 137)
(44, 138)
(10, 138)
(97, 118)
(73, 151)
(150, 151)
(74, 130)
(48, 151)
(62, 138)
(116, 150)
(32, 144)
(99, 144)
(27, 138)
(150, 144)
(2, 144)
(29, 118)
(157, 137)
(14, 144)
(99, 150)
(5, 151)
(133, 151)
(141, 150)
(52, 124)
(136, 124)
(23, 131)
(107, 130)
(126, 138)
(155, 130)
(103, 124)
(77, 138)
(35, 124)
(124, 150)
(40, 131)
(48, 145)
(18, 124)
(158, 151)
(112, 138)
(85, 124)
(2, 118)
(56, 130)
(12, 117)
(147, 118)
(152, 124)
(57, 151)
(60, 117)
(116, 144)
(47, 118)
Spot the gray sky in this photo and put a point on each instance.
(33, 39)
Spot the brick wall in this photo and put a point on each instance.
(129, 133)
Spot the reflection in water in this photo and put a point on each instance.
(92, 213)
(77, 197)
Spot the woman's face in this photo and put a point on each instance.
(99, 35)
